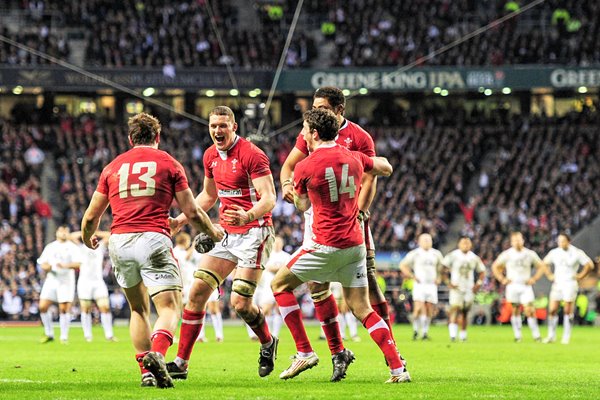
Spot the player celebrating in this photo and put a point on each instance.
(353, 137)
(91, 286)
(518, 262)
(462, 264)
(237, 173)
(59, 259)
(140, 185)
(424, 265)
(566, 260)
(328, 180)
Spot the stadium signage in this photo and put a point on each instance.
(573, 78)
(417, 80)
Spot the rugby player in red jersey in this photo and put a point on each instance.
(237, 173)
(139, 185)
(329, 181)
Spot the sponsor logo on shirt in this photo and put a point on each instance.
(230, 193)
(162, 276)
(361, 275)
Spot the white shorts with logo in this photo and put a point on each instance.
(147, 257)
(519, 293)
(564, 291)
(91, 290)
(58, 291)
(247, 250)
(321, 264)
(425, 292)
(461, 298)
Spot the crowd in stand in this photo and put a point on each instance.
(364, 33)
(541, 181)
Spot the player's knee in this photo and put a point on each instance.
(244, 288)
(209, 277)
(320, 296)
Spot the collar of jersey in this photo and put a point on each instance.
(326, 146)
(223, 154)
(344, 125)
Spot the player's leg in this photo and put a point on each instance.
(283, 284)
(244, 285)
(376, 296)
(426, 318)
(516, 321)
(86, 318)
(217, 318)
(453, 321)
(568, 313)
(418, 309)
(65, 294)
(350, 321)
(208, 278)
(552, 320)
(527, 298)
(277, 320)
(326, 311)
(106, 318)
(463, 321)
(357, 300)
(46, 317)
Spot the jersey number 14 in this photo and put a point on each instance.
(346, 184)
(135, 189)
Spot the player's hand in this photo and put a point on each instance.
(287, 193)
(452, 286)
(217, 233)
(174, 226)
(530, 281)
(551, 277)
(92, 242)
(506, 281)
(363, 215)
(236, 216)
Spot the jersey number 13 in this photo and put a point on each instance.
(135, 189)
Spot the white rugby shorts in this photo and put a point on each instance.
(425, 292)
(321, 264)
(91, 290)
(461, 298)
(519, 293)
(564, 291)
(58, 291)
(147, 257)
(247, 250)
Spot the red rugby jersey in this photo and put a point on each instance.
(331, 176)
(233, 172)
(140, 185)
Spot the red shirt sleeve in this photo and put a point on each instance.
(102, 183)
(301, 144)
(180, 181)
(207, 169)
(366, 161)
(258, 163)
(300, 181)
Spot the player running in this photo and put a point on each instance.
(139, 185)
(329, 180)
(237, 173)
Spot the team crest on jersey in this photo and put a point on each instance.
(348, 142)
(230, 193)
(234, 165)
(213, 164)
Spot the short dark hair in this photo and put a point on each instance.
(324, 121)
(223, 110)
(566, 235)
(143, 129)
(515, 233)
(334, 95)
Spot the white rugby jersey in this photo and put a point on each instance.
(63, 253)
(462, 268)
(92, 261)
(566, 262)
(424, 263)
(519, 264)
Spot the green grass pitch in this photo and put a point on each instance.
(488, 366)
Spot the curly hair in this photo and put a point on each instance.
(143, 129)
(324, 121)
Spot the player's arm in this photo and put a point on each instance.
(381, 167)
(540, 269)
(91, 219)
(587, 267)
(205, 200)
(301, 201)
(479, 282)
(286, 175)
(368, 189)
(196, 216)
(548, 270)
(46, 267)
(497, 269)
(237, 216)
(407, 271)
